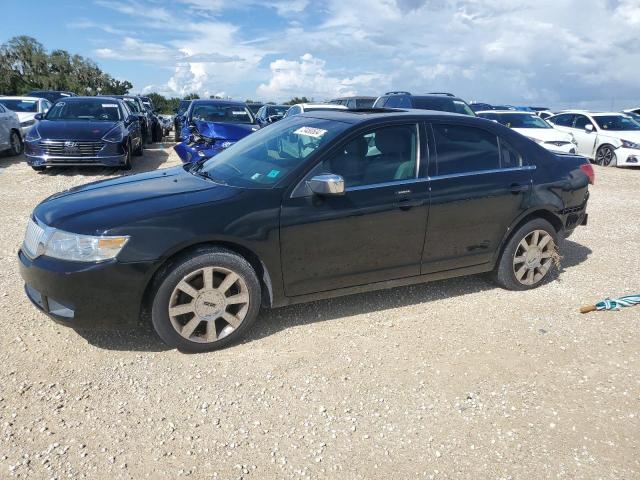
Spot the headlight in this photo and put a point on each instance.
(28, 123)
(114, 135)
(83, 248)
(32, 135)
(628, 144)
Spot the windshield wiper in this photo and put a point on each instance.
(204, 174)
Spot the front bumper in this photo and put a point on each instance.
(193, 152)
(88, 295)
(627, 157)
(567, 148)
(46, 160)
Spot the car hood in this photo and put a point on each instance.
(97, 207)
(25, 116)
(545, 134)
(226, 131)
(85, 130)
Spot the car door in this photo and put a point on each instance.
(375, 231)
(586, 139)
(479, 185)
(5, 127)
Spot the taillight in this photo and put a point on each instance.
(588, 170)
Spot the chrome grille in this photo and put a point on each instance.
(70, 148)
(32, 238)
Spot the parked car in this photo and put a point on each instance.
(211, 126)
(270, 113)
(167, 123)
(52, 95)
(480, 107)
(311, 107)
(177, 119)
(533, 127)
(315, 206)
(354, 102)
(609, 139)
(545, 114)
(26, 108)
(156, 125)
(145, 117)
(443, 102)
(10, 132)
(84, 131)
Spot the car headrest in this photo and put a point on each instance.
(392, 140)
(357, 148)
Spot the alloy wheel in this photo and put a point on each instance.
(533, 257)
(16, 143)
(604, 156)
(208, 304)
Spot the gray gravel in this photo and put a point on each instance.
(455, 379)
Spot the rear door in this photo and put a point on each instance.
(479, 185)
(374, 232)
(5, 127)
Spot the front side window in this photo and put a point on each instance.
(462, 149)
(563, 120)
(510, 157)
(581, 122)
(382, 155)
(100, 110)
(263, 158)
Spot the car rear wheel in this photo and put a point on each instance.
(206, 301)
(606, 157)
(529, 257)
(139, 151)
(15, 143)
(127, 158)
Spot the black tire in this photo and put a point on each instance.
(167, 285)
(139, 151)
(176, 136)
(39, 168)
(606, 156)
(15, 142)
(505, 272)
(127, 161)
(157, 133)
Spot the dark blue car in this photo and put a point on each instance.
(84, 131)
(210, 126)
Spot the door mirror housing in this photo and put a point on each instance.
(327, 184)
(131, 119)
(588, 128)
(38, 116)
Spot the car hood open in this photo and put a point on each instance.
(85, 130)
(96, 207)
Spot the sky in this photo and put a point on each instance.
(555, 53)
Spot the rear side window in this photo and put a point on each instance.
(511, 158)
(462, 149)
(563, 120)
(381, 102)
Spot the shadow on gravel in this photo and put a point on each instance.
(7, 161)
(155, 155)
(143, 338)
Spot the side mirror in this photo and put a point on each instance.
(327, 184)
(131, 119)
(38, 116)
(588, 128)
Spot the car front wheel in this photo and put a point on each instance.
(206, 301)
(606, 157)
(15, 143)
(529, 257)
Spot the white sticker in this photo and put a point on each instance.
(109, 105)
(238, 112)
(310, 132)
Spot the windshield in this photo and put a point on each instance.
(616, 122)
(221, 112)
(132, 104)
(266, 156)
(100, 110)
(20, 105)
(517, 120)
(443, 104)
(277, 110)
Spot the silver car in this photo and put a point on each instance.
(10, 133)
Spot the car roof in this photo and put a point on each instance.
(17, 97)
(355, 97)
(588, 112)
(321, 105)
(78, 99)
(218, 101)
(510, 112)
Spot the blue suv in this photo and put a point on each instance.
(439, 101)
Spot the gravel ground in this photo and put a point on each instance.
(455, 379)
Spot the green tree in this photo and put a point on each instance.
(192, 96)
(296, 100)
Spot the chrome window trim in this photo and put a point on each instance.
(483, 172)
(408, 181)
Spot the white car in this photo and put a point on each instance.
(609, 139)
(535, 128)
(310, 107)
(26, 108)
(10, 134)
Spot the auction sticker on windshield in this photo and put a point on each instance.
(310, 132)
(112, 105)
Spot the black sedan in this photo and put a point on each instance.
(317, 205)
(84, 131)
(268, 114)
